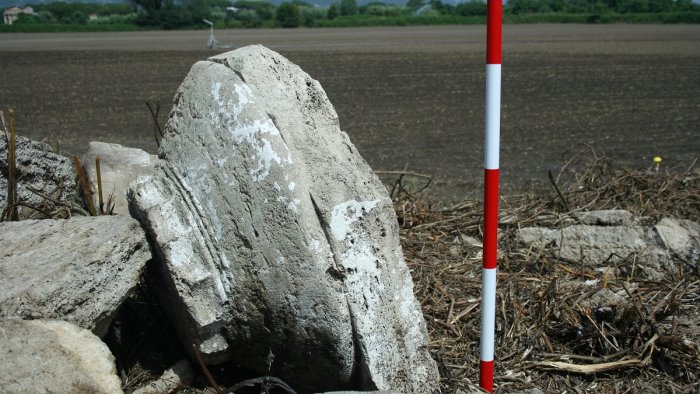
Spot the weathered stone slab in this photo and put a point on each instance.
(614, 236)
(41, 356)
(39, 168)
(588, 244)
(119, 166)
(280, 243)
(79, 270)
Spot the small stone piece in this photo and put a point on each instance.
(39, 168)
(362, 392)
(280, 244)
(119, 166)
(79, 270)
(41, 356)
(176, 377)
(679, 237)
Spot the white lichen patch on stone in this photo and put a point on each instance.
(229, 115)
(345, 214)
(314, 246)
(320, 252)
(294, 204)
(360, 258)
(266, 155)
(215, 88)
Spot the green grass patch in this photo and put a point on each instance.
(661, 17)
(59, 27)
(372, 20)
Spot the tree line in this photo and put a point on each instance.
(168, 14)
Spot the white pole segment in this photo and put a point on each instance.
(488, 314)
(493, 116)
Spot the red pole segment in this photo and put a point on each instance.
(491, 174)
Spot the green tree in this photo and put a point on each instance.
(288, 15)
(28, 19)
(249, 18)
(472, 8)
(264, 10)
(197, 8)
(332, 11)
(558, 5)
(149, 5)
(526, 6)
(415, 4)
(78, 18)
(310, 14)
(115, 9)
(67, 12)
(348, 7)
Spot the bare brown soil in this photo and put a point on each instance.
(410, 98)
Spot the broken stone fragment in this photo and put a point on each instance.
(679, 238)
(615, 236)
(179, 375)
(279, 243)
(79, 269)
(119, 166)
(590, 244)
(41, 356)
(43, 171)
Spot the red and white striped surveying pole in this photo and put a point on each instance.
(491, 153)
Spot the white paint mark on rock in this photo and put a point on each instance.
(245, 131)
(215, 88)
(345, 214)
(314, 246)
(266, 155)
(359, 257)
(294, 204)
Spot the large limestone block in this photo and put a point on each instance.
(280, 243)
(39, 356)
(40, 169)
(79, 270)
(119, 166)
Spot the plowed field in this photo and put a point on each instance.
(410, 98)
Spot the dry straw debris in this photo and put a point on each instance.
(549, 335)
